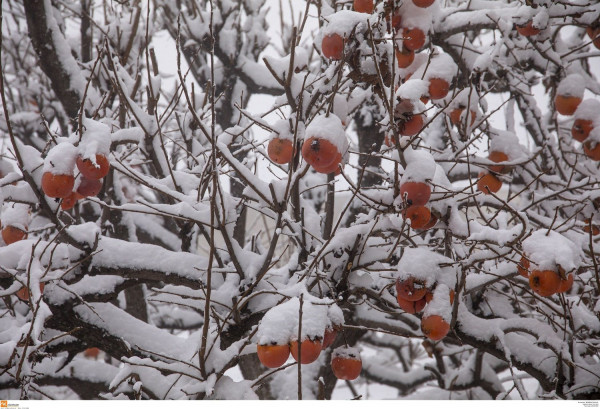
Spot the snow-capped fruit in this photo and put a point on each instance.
(527, 30)
(92, 170)
(592, 151)
(310, 350)
(91, 352)
(333, 46)
(329, 337)
(363, 6)
(405, 57)
(412, 125)
(438, 88)
(89, 187)
(273, 356)
(23, 294)
(70, 201)
(434, 327)
(544, 282)
(423, 3)
(413, 38)
(488, 183)
(415, 193)
(280, 150)
(411, 307)
(456, 116)
(581, 129)
(57, 186)
(346, 367)
(566, 105)
(565, 285)
(410, 289)
(11, 234)
(523, 267)
(419, 216)
(497, 156)
(319, 152)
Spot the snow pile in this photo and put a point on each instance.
(551, 250)
(413, 89)
(281, 130)
(61, 159)
(507, 142)
(343, 22)
(16, 215)
(420, 166)
(588, 110)
(573, 85)
(442, 66)
(425, 266)
(95, 140)
(280, 324)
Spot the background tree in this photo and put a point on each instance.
(425, 172)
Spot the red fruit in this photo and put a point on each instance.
(89, 187)
(594, 34)
(92, 170)
(434, 327)
(23, 293)
(346, 368)
(423, 3)
(497, 156)
(523, 267)
(595, 230)
(334, 167)
(411, 307)
(333, 46)
(432, 222)
(91, 352)
(396, 23)
(592, 153)
(565, 285)
(438, 88)
(329, 337)
(410, 289)
(363, 6)
(566, 105)
(11, 234)
(419, 216)
(280, 150)
(273, 356)
(544, 283)
(405, 57)
(319, 152)
(411, 126)
(310, 350)
(528, 29)
(70, 201)
(415, 193)
(488, 183)
(581, 129)
(455, 116)
(414, 38)
(57, 186)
